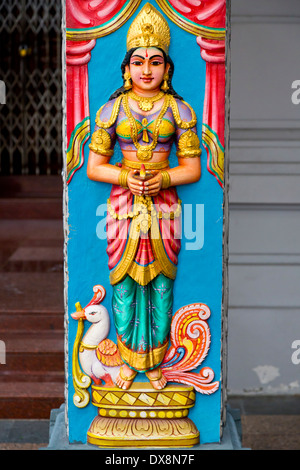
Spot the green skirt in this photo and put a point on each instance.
(142, 316)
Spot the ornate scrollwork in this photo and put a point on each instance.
(81, 382)
(190, 342)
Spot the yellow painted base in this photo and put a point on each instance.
(131, 432)
(143, 417)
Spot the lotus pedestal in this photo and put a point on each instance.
(143, 417)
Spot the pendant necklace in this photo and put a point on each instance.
(145, 152)
(146, 103)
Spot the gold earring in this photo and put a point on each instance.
(127, 84)
(165, 85)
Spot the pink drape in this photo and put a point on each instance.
(122, 201)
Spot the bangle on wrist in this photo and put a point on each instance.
(166, 180)
(123, 178)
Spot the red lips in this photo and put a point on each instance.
(147, 79)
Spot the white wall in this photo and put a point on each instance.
(264, 196)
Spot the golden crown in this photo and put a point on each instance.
(149, 29)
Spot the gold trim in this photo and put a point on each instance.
(166, 180)
(168, 269)
(81, 382)
(188, 145)
(86, 346)
(158, 442)
(156, 379)
(142, 361)
(101, 143)
(120, 271)
(168, 215)
(144, 274)
(149, 29)
(123, 178)
(137, 209)
(146, 103)
(124, 377)
(108, 28)
(145, 387)
(147, 165)
(172, 397)
(143, 416)
(115, 215)
(131, 412)
(180, 123)
(198, 30)
(113, 117)
(145, 152)
(144, 216)
(74, 152)
(216, 151)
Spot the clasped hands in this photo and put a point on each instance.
(150, 187)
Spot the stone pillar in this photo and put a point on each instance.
(189, 411)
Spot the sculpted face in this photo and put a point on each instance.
(147, 67)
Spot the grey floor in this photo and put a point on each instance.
(268, 423)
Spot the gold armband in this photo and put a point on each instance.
(101, 143)
(166, 180)
(188, 145)
(123, 178)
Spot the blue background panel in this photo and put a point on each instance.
(199, 276)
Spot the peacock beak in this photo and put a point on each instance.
(79, 314)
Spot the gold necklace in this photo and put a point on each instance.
(145, 152)
(146, 103)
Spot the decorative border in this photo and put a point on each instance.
(215, 162)
(78, 138)
(104, 29)
(189, 26)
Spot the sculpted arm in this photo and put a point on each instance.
(188, 171)
(99, 169)
(102, 149)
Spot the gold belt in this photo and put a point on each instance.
(148, 165)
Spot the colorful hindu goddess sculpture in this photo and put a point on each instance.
(145, 116)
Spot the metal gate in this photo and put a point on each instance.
(30, 67)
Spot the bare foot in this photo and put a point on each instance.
(125, 377)
(156, 378)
